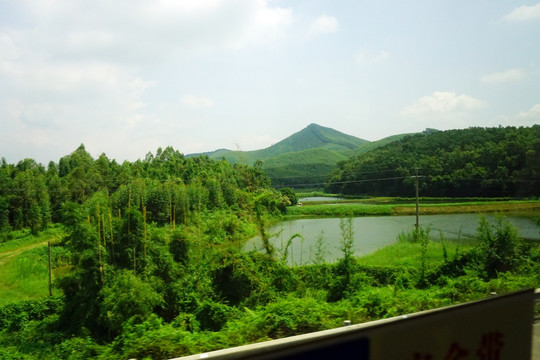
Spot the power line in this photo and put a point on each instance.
(317, 176)
(506, 181)
(348, 182)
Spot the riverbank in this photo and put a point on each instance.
(390, 206)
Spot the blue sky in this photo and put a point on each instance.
(126, 77)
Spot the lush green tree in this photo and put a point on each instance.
(499, 247)
(179, 246)
(290, 195)
(129, 246)
(124, 296)
(30, 205)
(498, 162)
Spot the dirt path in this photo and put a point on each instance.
(6, 256)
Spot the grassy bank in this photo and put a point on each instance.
(24, 272)
(339, 210)
(390, 206)
(468, 207)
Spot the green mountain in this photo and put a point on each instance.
(312, 137)
(305, 158)
(473, 162)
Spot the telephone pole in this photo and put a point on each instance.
(417, 224)
(50, 270)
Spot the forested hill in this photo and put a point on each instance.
(311, 137)
(304, 158)
(169, 187)
(471, 162)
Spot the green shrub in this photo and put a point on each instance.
(499, 246)
(15, 316)
(213, 315)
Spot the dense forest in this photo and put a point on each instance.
(149, 261)
(168, 187)
(130, 229)
(487, 162)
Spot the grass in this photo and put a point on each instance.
(396, 206)
(24, 266)
(314, 193)
(339, 210)
(408, 255)
(468, 207)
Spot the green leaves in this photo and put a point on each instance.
(125, 296)
(499, 248)
(492, 162)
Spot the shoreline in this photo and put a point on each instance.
(361, 208)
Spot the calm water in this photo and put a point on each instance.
(319, 198)
(372, 233)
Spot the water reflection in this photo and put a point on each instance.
(372, 233)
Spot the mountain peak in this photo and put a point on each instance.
(314, 136)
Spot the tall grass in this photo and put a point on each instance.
(24, 238)
(408, 254)
(388, 207)
(339, 210)
(24, 276)
(24, 265)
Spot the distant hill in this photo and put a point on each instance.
(312, 137)
(483, 162)
(305, 158)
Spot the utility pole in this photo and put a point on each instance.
(417, 224)
(50, 271)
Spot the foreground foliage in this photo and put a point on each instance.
(148, 262)
(185, 300)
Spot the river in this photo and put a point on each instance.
(374, 232)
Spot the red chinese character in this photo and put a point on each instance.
(490, 346)
(418, 356)
(456, 353)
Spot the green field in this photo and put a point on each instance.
(398, 206)
(24, 268)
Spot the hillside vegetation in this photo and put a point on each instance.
(148, 262)
(305, 158)
(492, 162)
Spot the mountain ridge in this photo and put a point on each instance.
(312, 136)
(305, 157)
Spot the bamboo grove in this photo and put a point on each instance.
(149, 261)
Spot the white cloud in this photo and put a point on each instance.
(524, 13)
(324, 24)
(8, 48)
(74, 70)
(504, 76)
(54, 107)
(441, 102)
(532, 115)
(363, 57)
(144, 30)
(193, 101)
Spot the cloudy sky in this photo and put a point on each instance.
(125, 77)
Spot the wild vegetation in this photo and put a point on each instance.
(303, 159)
(148, 261)
(485, 162)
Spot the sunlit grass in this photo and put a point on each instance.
(408, 254)
(24, 270)
(23, 238)
(23, 277)
(387, 206)
(339, 210)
